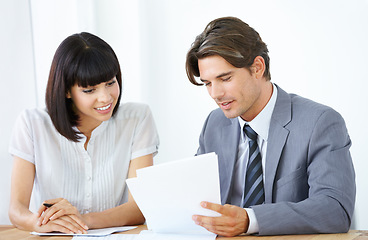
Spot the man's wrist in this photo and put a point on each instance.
(252, 222)
(246, 222)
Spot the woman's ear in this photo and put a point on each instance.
(68, 95)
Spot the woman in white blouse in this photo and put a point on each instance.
(77, 153)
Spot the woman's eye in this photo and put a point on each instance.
(111, 83)
(88, 90)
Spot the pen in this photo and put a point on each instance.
(48, 205)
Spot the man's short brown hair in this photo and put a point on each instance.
(233, 40)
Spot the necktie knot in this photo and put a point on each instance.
(250, 132)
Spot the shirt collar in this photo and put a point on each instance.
(99, 129)
(261, 123)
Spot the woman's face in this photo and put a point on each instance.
(94, 104)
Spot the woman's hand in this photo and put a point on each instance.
(62, 213)
(64, 224)
(61, 216)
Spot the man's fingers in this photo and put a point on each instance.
(213, 206)
(203, 220)
(233, 219)
(219, 228)
(222, 209)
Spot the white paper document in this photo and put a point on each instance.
(94, 232)
(170, 194)
(148, 235)
(112, 237)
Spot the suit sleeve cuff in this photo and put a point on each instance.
(253, 223)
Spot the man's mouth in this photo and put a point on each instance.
(225, 105)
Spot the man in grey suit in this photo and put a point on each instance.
(301, 177)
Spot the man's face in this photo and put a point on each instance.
(235, 90)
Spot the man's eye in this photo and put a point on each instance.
(226, 79)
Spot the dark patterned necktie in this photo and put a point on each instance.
(254, 191)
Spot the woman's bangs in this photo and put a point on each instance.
(95, 69)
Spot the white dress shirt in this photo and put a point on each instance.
(260, 124)
(92, 180)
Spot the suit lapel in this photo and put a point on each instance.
(277, 137)
(230, 140)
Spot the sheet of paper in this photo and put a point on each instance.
(149, 235)
(112, 237)
(93, 232)
(169, 194)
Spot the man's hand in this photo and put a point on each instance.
(233, 220)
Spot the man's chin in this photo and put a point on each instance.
(229, 114)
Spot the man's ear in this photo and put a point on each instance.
(258, 67)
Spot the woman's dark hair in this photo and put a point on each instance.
(82, 59)
(231, 39)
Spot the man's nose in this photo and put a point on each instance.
(216, 91)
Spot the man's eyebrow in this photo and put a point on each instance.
(224, 74)
(219, 76)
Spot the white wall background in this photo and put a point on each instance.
(318, 49)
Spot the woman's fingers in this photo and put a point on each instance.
(61, 214)
(69, 223)
(79, 221)
(64, 224)
(57, 208)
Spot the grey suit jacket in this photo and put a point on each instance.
(309, 175)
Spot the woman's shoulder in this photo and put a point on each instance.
(33, 121)
(133, 110)
(35, 114)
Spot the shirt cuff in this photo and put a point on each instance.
(253, 223)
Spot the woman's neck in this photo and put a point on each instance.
(86, 130)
